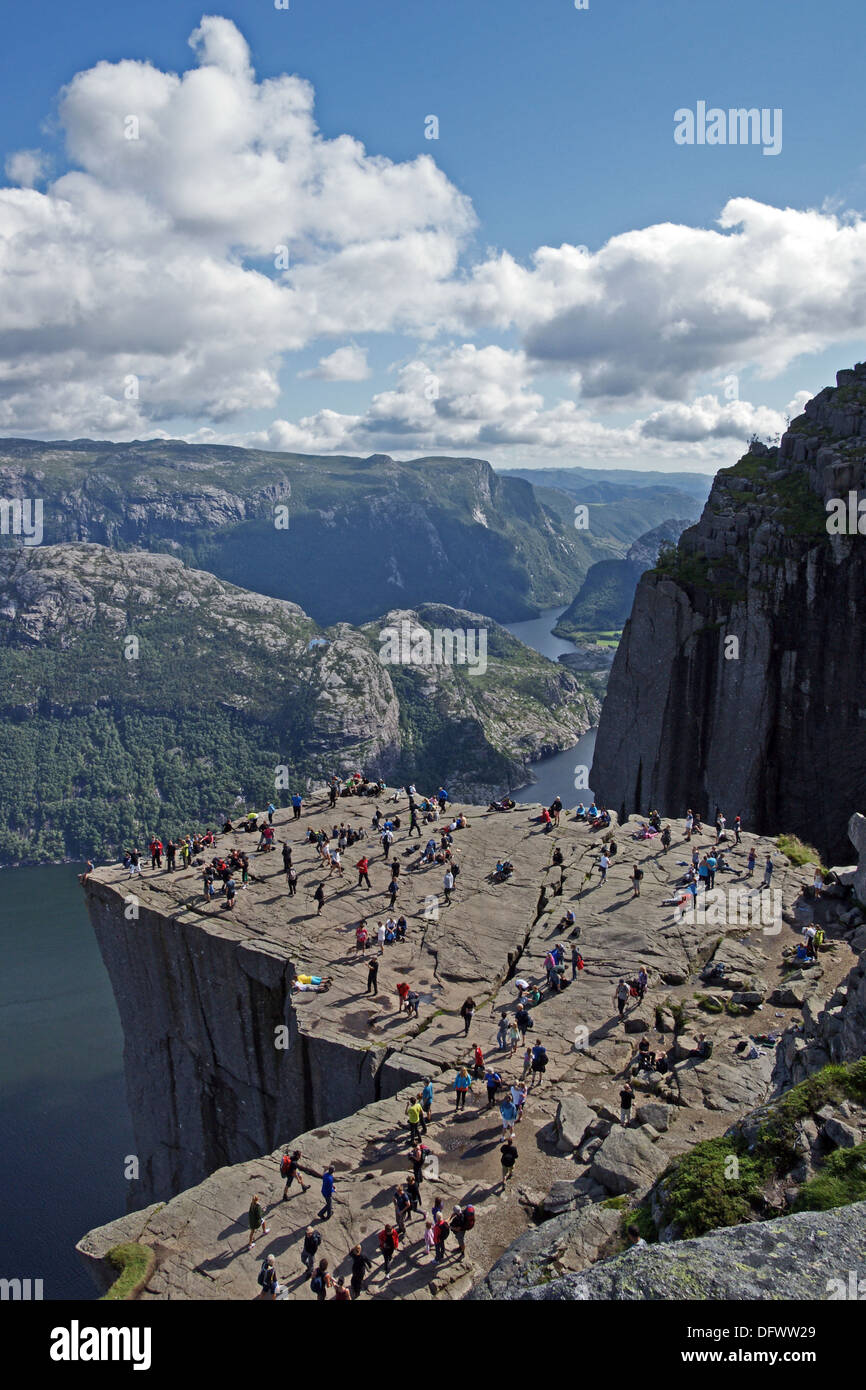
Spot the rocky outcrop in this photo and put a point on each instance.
(807, 1256)
(738, 680)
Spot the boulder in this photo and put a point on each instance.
(685, 1046)
(626, 1161)
(655, 1114)
(636, 1025)
(792, 995)
(749, 997)
(840, 1135)
(665, 1021)
(573, 1119)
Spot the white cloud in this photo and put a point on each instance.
(347, 363)
(26, 167)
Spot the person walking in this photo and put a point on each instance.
(508, 1158)
(539, 1062)
(448, 884)
(626, 1097)
(310, 1249)
(576, 961)
(603, 866)
(493, 1081)
(292, 880)
(768, 871)
(389, 1242)
(513, 1038)
(413, 1192)
(373, 976)
(321, 1281)
(621, 996)
(328, 1185)
(508, 1114)
(363, 867)
(360, 1268)
(467, 1012)
(690, 822)
(738, 825)
(502, 1032)
(319, 897)
(361, 938)
(381, 933)
(393, 890)
(458, 1230)
(290, 1169)
(462, 1087)
(414, 1115)
(257, 1221)
(268, 1280)
(523, 1019)
(402, 1206)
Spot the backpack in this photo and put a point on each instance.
(317, 1283)
(284, 1166)
(468, 1218)
(262, 1273)
(444, 1230)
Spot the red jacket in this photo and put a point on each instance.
(383, 1239)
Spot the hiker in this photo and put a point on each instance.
(513, 1038)
(738, 825)
(621, 997)
(257, 1221)
(508, 1152)
(448, 884)
(462, 1087)
(462, 1220)
(413, 999)
(290, 1169)
(502, 1031)
(414, 1115)
(309, 1249)
(467, 1010)
(539, 1062)
(268, 1278)
(413, 1192)
(577, 962)
(768, 871)
(372, 977)
(287, 858)
(603, 866)
(427, 1101)
(636, 876)
(321, 1281)
(296, 806)
(429, 1239)
(328, 1185)
(642, 982)
(361, 937)
(402, 1206)
(403, 995)
(666, 837)
(518, 1095)
(508, 1113)
(556, 809)
(751, 862)
(493, 1081)
(626, 1096)
(319, 897)
(690, 821)
(441, 1232)
(389, 1242)
(360, 1267)
(523, 1019)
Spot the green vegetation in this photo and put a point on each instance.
(841, 1181)
(135, 1264)
(616, 1203)
(797, 852)
(722, 1182)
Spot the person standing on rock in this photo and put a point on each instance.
(413, 1192)
(642, 982)
(441, 1232)
(508, 1114)
(416, 1158)
(292, 878)
(427, 1101)
(751, 862)
(621, 996)
(502, 1032)
(462, 1087)
(690, 821)
(666, 837)
(363, 867)
(539, 1062)
(636, 876)
(296, 805)
(508, 1158)
(256, 1220)
(626, 1096)
(738, 825)
(393, 890)
(287, 858)
(414, 1115)
(389, 1242)
(372, 977)
(402, 1207)
(768, 871)
(448, 884)
(467, 1012)
(321, 1281)
(576, 961)
(360, 1267)
(319, 897)
(459, 1228)
(493, 1081)
(603, 866)
(523, 1019)
(518, 1095)
(513, 1038)
(328, 1185)
(310, 1249)
(413, 822)
(402, 994)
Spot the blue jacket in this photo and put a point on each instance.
(328, 1184)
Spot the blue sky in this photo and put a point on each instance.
(557, 126)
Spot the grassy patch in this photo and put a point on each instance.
(134, 1264)
(616, 1203)
(842, 1180)
(797, 852)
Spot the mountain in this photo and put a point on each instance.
(739, 678)
(582, 480)
(607, 593)
(140, 694)
(345, 538)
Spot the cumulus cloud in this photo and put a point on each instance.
(26, 167)
(347, 363)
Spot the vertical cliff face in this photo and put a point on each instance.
(739, 678)
(210, 1080)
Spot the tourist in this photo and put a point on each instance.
(636, 876)
(603, 866)
(257, 1221)
(626, 1096)
(296, 805)
(319, 897)
(429, 1239)
(493, 1081)
(393, 890)
(621, 997)
(414, 1115)
(268, 1278)
(290, 1168)
(321, 1281)
(523, 1019)
(372, 977)
(768, 871)
(527, 1063)
(462, 1087)
(309, 1249)
(508, 1114)
(508, 1158)
(413, 1192)
(448, 884)
(502, 1031)
(427, 1101)
(577, 962)
(441, 1232)
(690, 822)
(413, 999)
(738, 825)
(642, 982)
(403, 995)
(360, 1267)
(513, 1038)
(389, 1242)
(539, 1062)
(361, 937)
(462, 1220)
(328, 1185)
(402, 1207)
(518, 1095)
(467, 1011)
(751, 862)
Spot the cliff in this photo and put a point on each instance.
(607, 593)
(201, 992)
(738, 680)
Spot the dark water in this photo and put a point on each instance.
(556, 775)
(64, 1124)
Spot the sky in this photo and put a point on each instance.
(506, 229)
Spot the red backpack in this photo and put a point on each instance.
(468, 1218)
(284, 1166)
